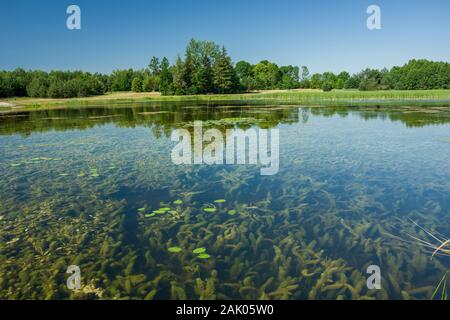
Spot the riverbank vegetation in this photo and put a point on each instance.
(282, 97)
(206, 68)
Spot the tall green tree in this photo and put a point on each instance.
(224, 77)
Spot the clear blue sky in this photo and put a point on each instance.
(325, 35)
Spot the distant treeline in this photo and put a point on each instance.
(207, 68)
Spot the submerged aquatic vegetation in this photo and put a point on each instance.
(153, 230)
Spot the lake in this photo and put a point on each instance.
(96, 187)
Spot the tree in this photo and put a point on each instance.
(327, 86)
(304, 81)
(121, 80)
(244, 73)
(165, 78)
(224, 77)
(136, 84)
(6, 89)
(289, 77)
(316, 81)
(154, 66)
(150, 83)
(352, 83)
(38, 87)
(342, 78)
(267, 75)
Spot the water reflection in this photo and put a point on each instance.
(165, 117)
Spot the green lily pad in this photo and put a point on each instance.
(178, 202)
(232, 212)
(220, 201)
(204, 256)
(175, 249)
(199, 250)
(149, 215)
(209, 209)
(141, 210)
(164, 209)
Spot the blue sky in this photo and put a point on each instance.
(325, 35)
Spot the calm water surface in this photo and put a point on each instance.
(80, 187)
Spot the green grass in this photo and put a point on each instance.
(310, 97)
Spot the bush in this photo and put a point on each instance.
(327, 87)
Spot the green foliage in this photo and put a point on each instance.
(327, 86)
(136, 85)
(121, 80)
(224, 74)
(206, 68)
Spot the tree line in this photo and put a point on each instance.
(207, 68)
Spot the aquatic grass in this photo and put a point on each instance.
(441, 288)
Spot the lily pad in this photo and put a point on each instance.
(199, 250)
(209, 209)
(164, 209)
(149, 215)
(232, 212)
(178, 202)
(220, 201)
(204, 256)
(141, 209)
(175, 249)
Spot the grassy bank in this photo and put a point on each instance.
(310, 97)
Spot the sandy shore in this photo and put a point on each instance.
(6, 104)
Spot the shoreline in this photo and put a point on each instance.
(302, 96)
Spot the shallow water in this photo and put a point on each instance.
(351, 180)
